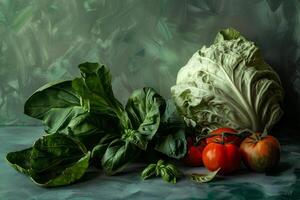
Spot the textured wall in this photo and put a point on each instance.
(144, 42)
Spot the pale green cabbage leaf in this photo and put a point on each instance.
(228, 85)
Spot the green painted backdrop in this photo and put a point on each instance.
(144, 42)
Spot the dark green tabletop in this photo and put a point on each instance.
(284, 184)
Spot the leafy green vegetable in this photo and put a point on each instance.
(172, 144)
(144, 108)
(20, 160)
(204, 178)
(62, 111)
(58, 106)
(54, 160)
(83, 114)
(118, 155)
(170, 138)
(228, 85)
(168, 172)
(94, 87)
(99, 150)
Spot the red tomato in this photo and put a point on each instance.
(227, 139)
(260, 154)
(193, 156)
(224, 156)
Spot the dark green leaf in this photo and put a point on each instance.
(62, 110)
(20, 160)
(118, 155)
(96, 90)
(274, 4)
(135, 138)
(171, 118)
(56, 104)
(149, 171)
(144, 108)
(203, 178)
(69, 175)
(170, 139)
(173, 144)
(100, 148)
(54, 160)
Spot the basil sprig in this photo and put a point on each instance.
(167, 171)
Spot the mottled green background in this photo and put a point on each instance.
(144, 42)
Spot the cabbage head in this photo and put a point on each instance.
(228, 85)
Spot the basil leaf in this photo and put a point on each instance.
(54, 160)
(19, 160)
(118, 155)
(149, 171)
(144, 108)
(99, 150)
(204, 178)
(169, 173)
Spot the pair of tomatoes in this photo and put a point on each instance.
(225, 149)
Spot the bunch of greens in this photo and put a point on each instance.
(228, 85)
(86, 125)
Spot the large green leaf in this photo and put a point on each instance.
(144, 108)
(229, 85)
(95, 88)
(118, 155)
(63, 111)
(57, 105)
(54, 160)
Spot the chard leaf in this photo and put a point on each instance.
(54, 160)
(204, 178)
(228, 85)
(19, 160)
(144, 108)
(118, 155)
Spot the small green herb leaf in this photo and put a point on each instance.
(149, 171)
(204, 178)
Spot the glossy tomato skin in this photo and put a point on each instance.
(260, 155)
(193, 156)
(228, 139)
(224, 156)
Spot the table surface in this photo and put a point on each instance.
(95, 185)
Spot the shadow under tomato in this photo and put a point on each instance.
(282, 167)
